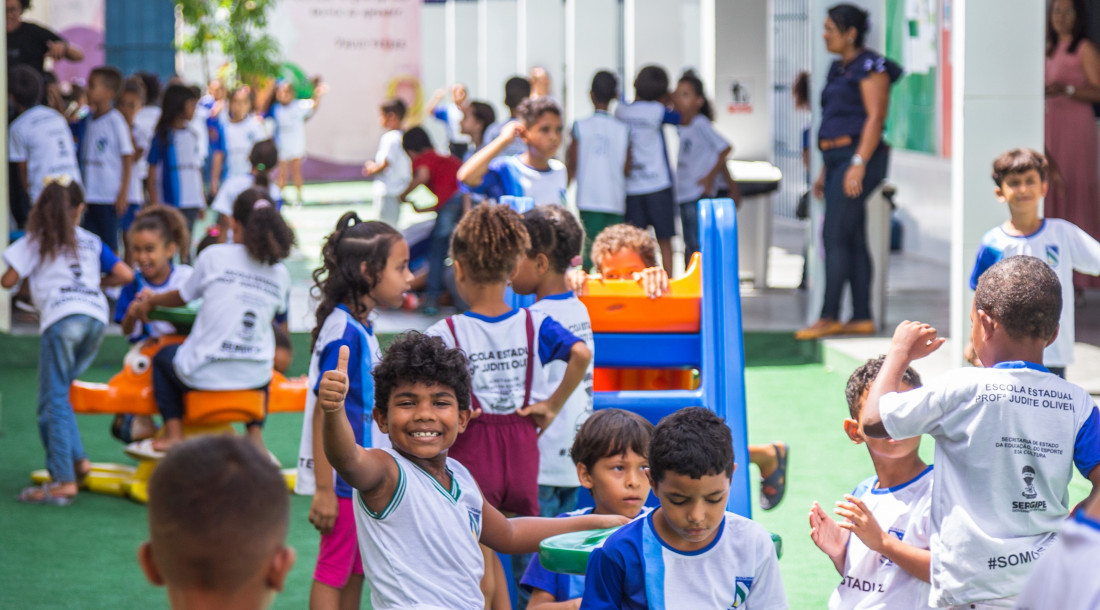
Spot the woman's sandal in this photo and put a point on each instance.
(774, 487)
(43, 494)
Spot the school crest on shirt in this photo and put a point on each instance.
(899, 534)
(742, 584)
(475, 522)
(1052, 255)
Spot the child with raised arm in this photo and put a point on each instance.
(885, 564)
(419, 512)
(391, 168)
(610, 453)
(689, 552)
(218, 518)
(289, 115)
(1021, 178)
(364, 265)
(451, 115)
(1007, 436)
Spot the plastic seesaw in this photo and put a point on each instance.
(130, 391)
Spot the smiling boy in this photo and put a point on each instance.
(689, 552)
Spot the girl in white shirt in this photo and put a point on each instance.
(243, 129)
(64, 264)
(175, 158)
(244, 286)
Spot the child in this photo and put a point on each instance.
(508, 351)
(598, 157)
(243, 286)
(885, 565)
(1066, 577)
(1007, 436)
(290, 115)
(475, 122)
(218, 518)
(263, 157)
(64, 264)
(129, 103)
(366, 264)
(610, 455)
(242, 130)
(175, 159)
(415, 506)
(451, 115)
(649, 198)
(535, 173)
(438, 173)
(391, 169)
(516, 90)
(156, 235)
(701, 165)
(106, 149)
(145, 125)
(689, 552)
(556, 238)
(1021, 178)
(40, 141)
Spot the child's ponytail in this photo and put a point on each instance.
(341, 278)
(263, 157)
(166, 220)
(51, 221)
(267, 238)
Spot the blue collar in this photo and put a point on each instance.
(500, 318)
(1021, 364)
(1086, 520)
(889, 490)
(1042, 225)
(653, 528)
(366, 326)
(563, 296)
(147, 282)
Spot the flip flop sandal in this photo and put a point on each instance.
(773, 488)
(41, 494)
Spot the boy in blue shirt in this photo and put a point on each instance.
(689, 552)
(610, 451)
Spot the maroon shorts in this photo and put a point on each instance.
(502, 453)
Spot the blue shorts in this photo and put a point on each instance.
(657, 210)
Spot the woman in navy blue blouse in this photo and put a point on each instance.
(853, 114)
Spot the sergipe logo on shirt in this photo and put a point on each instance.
(1029, 493)
(1052, 255)
(742, 585)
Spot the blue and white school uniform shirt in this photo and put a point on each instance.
(700, 145)
(556, 468)
(177, 161)
(871, 580)
(636, 569)
(1066, 578)
(232, 343)
(339, 329)
(65, 284)
(1066, 248)
(497, 350)
(1007, 439)
(103, 141)
(602, 144)
(239, 139)
(649, 168)
(177, 277)
(41, 138)
(510, 176)
(421, 550)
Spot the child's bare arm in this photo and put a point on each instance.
(473, 171)
(542, 413)
(1093, 498)
(860, 521)
(544, 600)
(322, 510)
(373, 168)
(912, 341)
(23, 176)
(10, 279)
(523, 534)
(122, 201)
(571, 160)
(120, 275)
(421, 176)
(829, 536)
(143, 306)
(577, 281)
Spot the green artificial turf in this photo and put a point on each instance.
(83, 556)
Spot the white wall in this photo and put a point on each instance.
(924, 201)
(736, 47)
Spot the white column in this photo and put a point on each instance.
(593, 38)
(5, 228)
(542, 40)
(651, 35)
(462, 44)
(497, 43)
(997, 104)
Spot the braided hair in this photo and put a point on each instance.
(488, 242)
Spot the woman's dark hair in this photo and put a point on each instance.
(694, 442)
(483, 113)
(554, 232)
(605, 87)
(25, 86)
(488, 242)
(152, 87)
(264, 156)
(51, 220)
(651, 84)
(416, 140)
(1080, 27)
(696, 85)
(394, 106)
(267, 238)
(608, 433)
(166, 220)
(418, 358)
(850, 16)
(516, 89)
(175, 101)
(801, 89)
(341, 278)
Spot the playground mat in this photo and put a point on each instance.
(84, 555)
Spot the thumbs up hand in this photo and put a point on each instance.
(334, 384)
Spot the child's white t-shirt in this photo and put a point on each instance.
(700, 144)
(602, 144)
(422, 550)
(234, 186)
(392, 180)
(240, 137)
(290, 127)
(497, 350)
(146, 123)
(1067, 577)
(1063, 246)
(202, 131)
(511, 176)
(67, 283)
(232, 343)
(41, 137)
(556, 467)
(871, 580)
(649, 169)
(105, 141)
(178, 168)
(142, 137)
(1007, 439)
(155, 328)
(635, 569)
